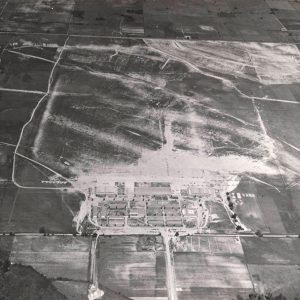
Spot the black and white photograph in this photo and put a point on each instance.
(149, 150)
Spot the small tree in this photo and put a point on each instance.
(259, 233)
(5, 265)
(42, 229)
(268, 296)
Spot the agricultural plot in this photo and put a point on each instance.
(15, 109)
(209, 245)
(250, 214)
(265, 251)
(219, 220)
(135, 268)
(272, 216)
(276, 279)
(32, 211)
(247, 207)
(63, 260)
(271, 207)
(282, 123)
(210, 268)
(274, 265)
(280, 209)
(24, 74)
(226, 20)
(51, 256)
(6, 163)
(5, 247)
(72, 290)
(258, 21)
(21, 282)
(29, 274)
(294, 195)
(112, 18)
(36, 16)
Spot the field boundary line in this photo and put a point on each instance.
(30, 56)
(13, 207)
(22, 91)
(3, 8)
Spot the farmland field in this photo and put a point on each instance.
(274, 265)
(5, 247)
(15, 110)
(6, 162)
(28, 211)
(230, 20)
(51, 256)
(219, 218)
(276, 279)
(264, 208)
(266, 251)
(247, 207)
(135, 268)
(73, 290)
(42, 266)
(214, 269)
(280, 209)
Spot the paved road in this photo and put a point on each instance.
(171, 279)
(152, 231)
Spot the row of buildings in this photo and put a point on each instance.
(151, 204)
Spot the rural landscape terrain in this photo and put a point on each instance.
(149, 150)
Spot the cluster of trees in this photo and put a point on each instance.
(23, 282)
(268, 296)
(4, 266)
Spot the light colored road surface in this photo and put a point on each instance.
(171, 280)
(94, 291)
(156, 231)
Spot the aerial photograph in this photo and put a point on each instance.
(149, 149)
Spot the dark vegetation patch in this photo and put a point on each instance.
(15, 110)
(149, 243)
(19, 282)
(264, 251)
(226, 14)
(135, 11)
(29, 211)
(6, 162)
(78, 14)
(18, 72)
(5, 247)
